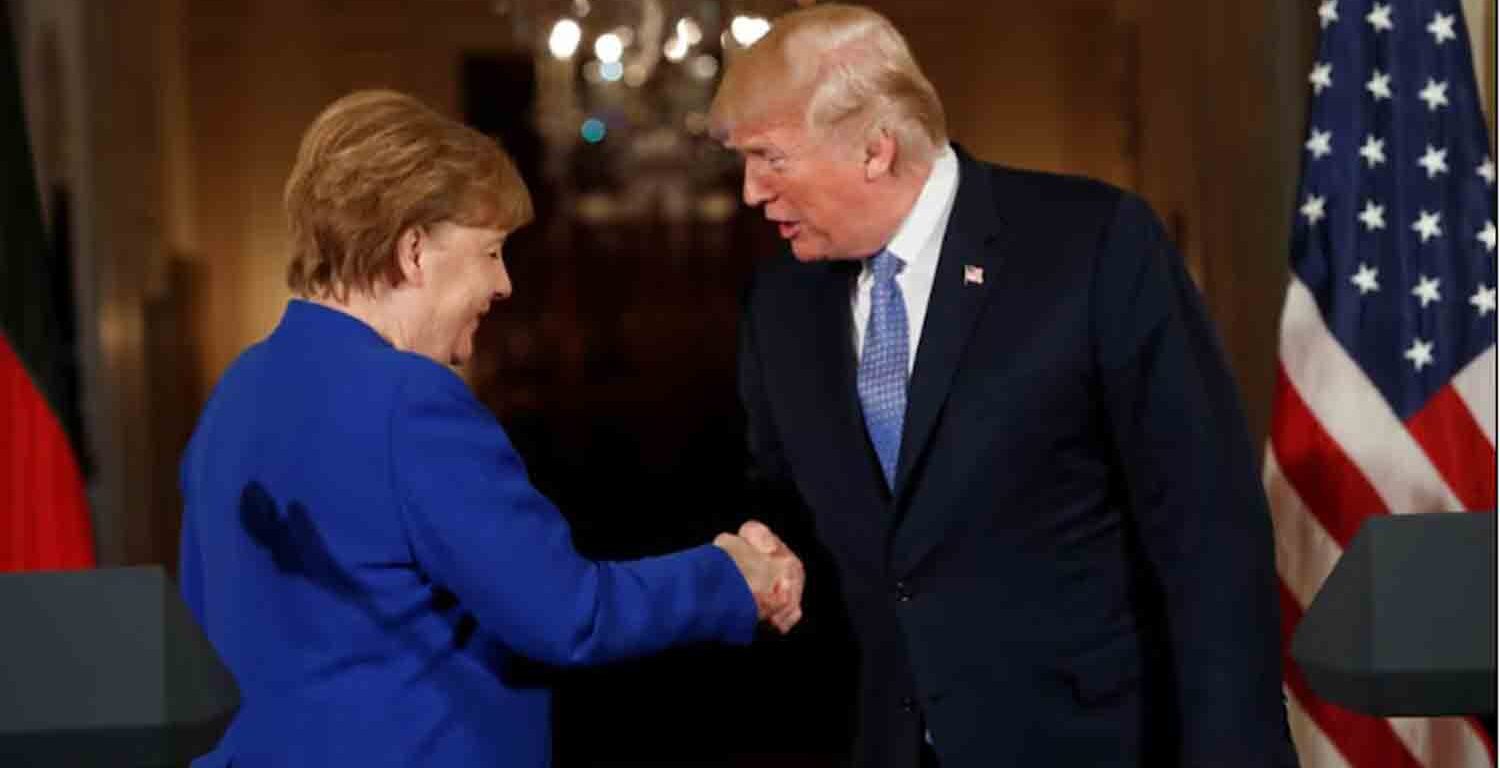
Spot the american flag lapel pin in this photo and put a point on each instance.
(973, 275)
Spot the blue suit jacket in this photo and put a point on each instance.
(362, 546)
(1076, 566)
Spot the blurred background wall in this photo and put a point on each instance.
(163, 130)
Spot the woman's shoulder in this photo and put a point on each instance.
(421, 375)
(424, 390)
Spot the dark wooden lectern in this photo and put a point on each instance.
(106, 667)
(1405, 624)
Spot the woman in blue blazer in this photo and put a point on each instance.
(360, 540)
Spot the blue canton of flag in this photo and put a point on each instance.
(1395, 231)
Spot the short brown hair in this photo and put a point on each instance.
(376, 163)
(846, 67)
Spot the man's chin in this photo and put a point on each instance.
(806, 254)
(810, 255)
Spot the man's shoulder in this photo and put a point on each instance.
(1016, 186)
(1046, 203)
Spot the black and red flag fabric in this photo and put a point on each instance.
(44, 516)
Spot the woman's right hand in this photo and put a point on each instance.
(772, 571)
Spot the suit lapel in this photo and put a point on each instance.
(832, 407)
(835, 398)
(953, 309)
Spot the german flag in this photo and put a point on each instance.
(44, 517)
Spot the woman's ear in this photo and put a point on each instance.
(409, 254)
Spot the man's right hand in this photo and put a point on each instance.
(774, 574)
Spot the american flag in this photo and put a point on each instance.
(1385, 393)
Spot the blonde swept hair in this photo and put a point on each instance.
(375, 163)
(847, 68)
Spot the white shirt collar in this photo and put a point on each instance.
(918, 243)
(927, 214)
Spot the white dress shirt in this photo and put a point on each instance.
(917, 243)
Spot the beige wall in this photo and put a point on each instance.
(256, 75)
(1040, 85)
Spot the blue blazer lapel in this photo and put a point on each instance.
(953, 309)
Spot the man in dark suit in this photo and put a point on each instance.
(999, 396)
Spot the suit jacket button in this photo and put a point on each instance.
(903, 592)
(908, 704)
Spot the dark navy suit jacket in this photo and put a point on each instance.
(1076, 566)
(362, 546)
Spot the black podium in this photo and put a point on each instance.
(106, 668)
(1405, 624)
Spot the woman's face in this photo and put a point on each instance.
(462, 272)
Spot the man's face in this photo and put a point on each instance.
(812, 188)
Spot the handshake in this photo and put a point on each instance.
(773, 573)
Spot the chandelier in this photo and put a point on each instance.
(622, 95)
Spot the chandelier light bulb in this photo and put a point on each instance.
(689, 31)
(563, 41)
(609, 48)
(748, 29)
(704, 66)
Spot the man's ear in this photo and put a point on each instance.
(880, 153)
(409, 246)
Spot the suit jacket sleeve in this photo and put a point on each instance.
(771, 493)
(768, 482)
(1194, 497)
(479, 529)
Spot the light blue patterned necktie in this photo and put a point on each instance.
(882, 367)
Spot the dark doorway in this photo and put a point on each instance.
(612, 369)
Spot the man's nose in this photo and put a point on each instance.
(756, 191)
(502, 284)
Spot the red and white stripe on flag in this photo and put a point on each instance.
(1337, 455)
